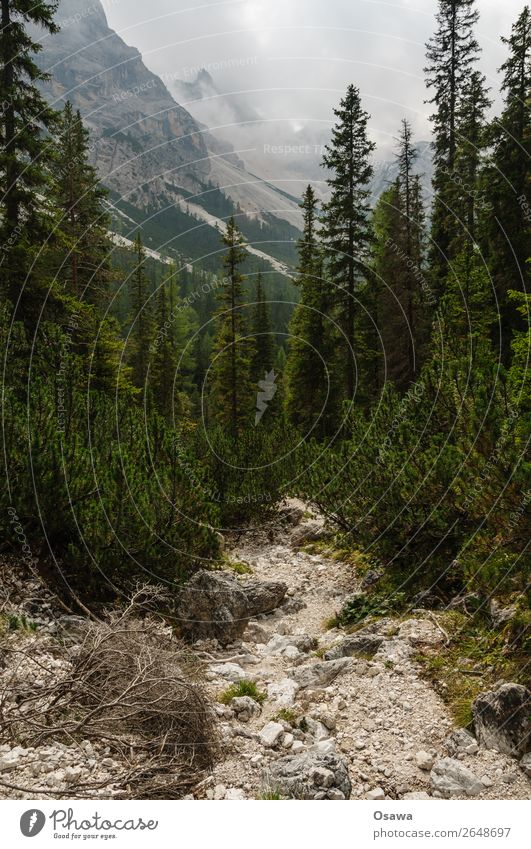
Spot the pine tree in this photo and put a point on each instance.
(411, 209)
(173, 357)
(84, 222)
(346, 230)
(141, 332)
(262, 332)
(396, 295)
(24, 115)
(451, 54)
(233, 395)
(468, 159)
(310, 384)
(506, 181)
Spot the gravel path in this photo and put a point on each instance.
(379, 716)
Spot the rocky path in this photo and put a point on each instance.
(338, 715)
(365, 726)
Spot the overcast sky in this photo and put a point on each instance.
(292, 59)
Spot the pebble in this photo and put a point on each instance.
(376, 795)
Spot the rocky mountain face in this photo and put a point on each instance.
(144, 144)
(285, 155)
(166, 169)
(149, 151)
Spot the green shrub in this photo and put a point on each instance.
(101, 487)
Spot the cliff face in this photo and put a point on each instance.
(146, 147)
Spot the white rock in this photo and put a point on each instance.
(230, 672)
(271, 733)
(9, 761)
(376, 794)
(417, 794)
(297, 746)
(320, 674)
(72, 774)
(287, 740)
(235, 794)
(450, 778)
(283, 692)
(245, 708)
(291, 653)
(325, 747)
(322, 777)
(219, 791)
(424, 760)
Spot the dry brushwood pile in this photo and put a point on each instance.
(113, 708)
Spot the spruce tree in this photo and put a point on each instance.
(173, 357)
(310, 374)
(346, 232)
(23, 146)
(451, 54)
(142, 325)
(468, 159)
(506, 181)
(395, 295)
(84, 221)
(233, 395)
(411, 208)
(262, 332)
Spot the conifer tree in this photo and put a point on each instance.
(141, 332)
(310, 375)
(173, 357)
(346, 230)
(264, 354)
(506, 181)
(24, 115)
(84, 221)
(468, 158)
(233, 395)
(395, 295)
(411, 209)
(451, 54)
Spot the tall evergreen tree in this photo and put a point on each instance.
(451, 54)
(310, 382)
(395, 295)
(141, 332)
(233, 395)
(24, 115)
(173, 359)
(468, 159)
(506, 181)
(84, 221)
(262, 332)
(411, 208)
(346, 229)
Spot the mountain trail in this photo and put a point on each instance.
(377, 716)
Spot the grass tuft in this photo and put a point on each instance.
(242, 688)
